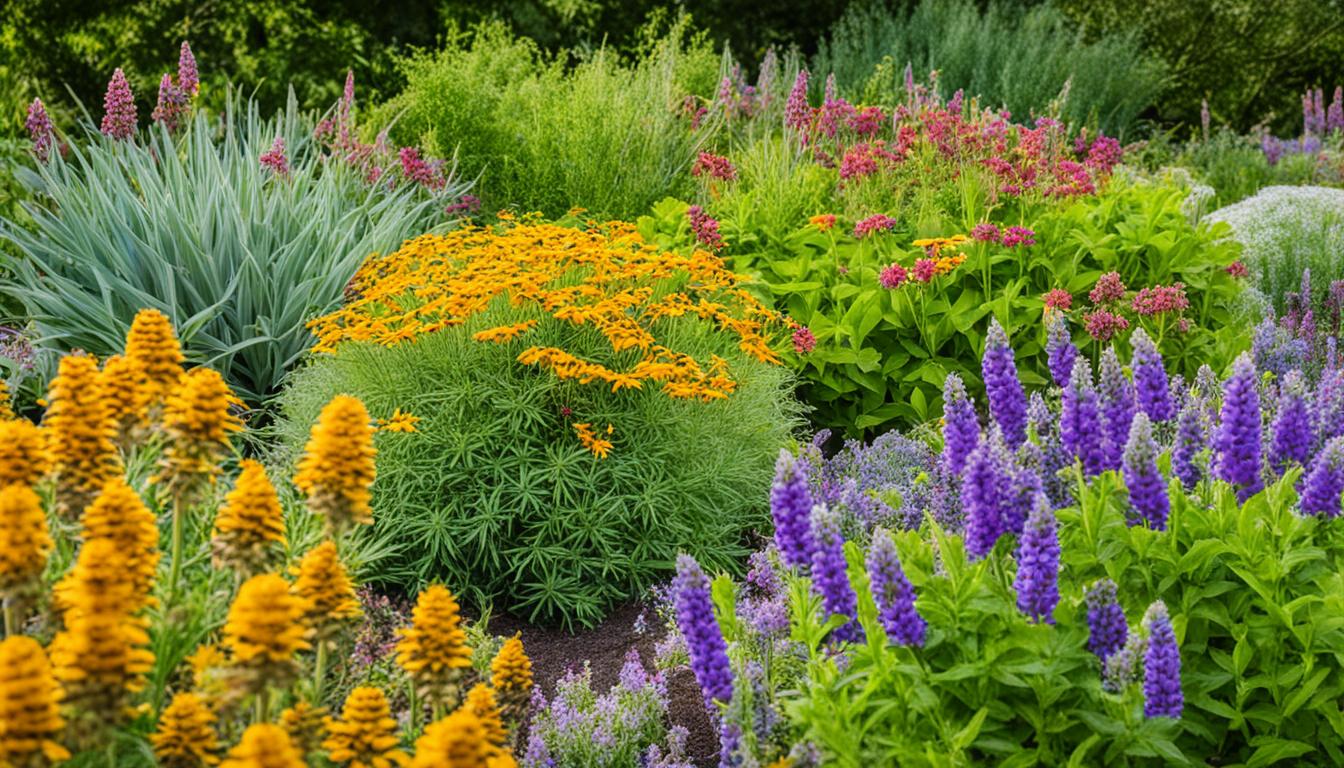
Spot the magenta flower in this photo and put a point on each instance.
(119, 120)
(1058, 299)
(1015, 236)
(188, 79)
(803, 340)
(1109, 288)
(878, 222)
(1161, 299)
(924, 270)
(465, 204)
(1238, 270)
(705, 228)
(417, 170)
(1103, 325)
(714, 166)
(985, 232)
(797, 113)
(892, 276)
(172, 104)
(39, 130)
(1105, 154)
(275, 158)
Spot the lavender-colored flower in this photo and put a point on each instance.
(1191, 437)
(1060, 350)
(791, 508)
(983, 492)
(797, 114)
(1238, 439)
(961, 429)
(1328, 410)
(188, 78)
(704, 640)
(1003, 390)
(1150, 378)
(39, 129)
(909, 80)
(829, 577)
(1324, 484)
(1037, 580)
(1121, 668)
(1053, 456)
(1024, 485)
(1117, 407)
(171, 106)
(1147, 489)
(1080, 420)
(1291, 432)
(1161, 666)
(1107, 629)
(119, 120)
(892, 592)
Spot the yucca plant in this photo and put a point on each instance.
(238, 255)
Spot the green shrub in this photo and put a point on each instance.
(1024, 59)
(496, 493)
(194, 225)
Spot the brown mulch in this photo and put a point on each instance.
(554, 651)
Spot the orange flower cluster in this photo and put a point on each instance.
(598, 445)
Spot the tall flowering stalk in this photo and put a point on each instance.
(1238, 438)
(188, 77)
(456, 741)
(172, 105)
(264, 746)
(893, 594)
(119, 516)
(433, 650)
(983, 492)
(704, 640)
(1060, 350)
(39, 130)
(829, 576)
(30, 717)
(23, 453)
(24, 547)
(1147, 489)
(1150, 378)
(1162, 695)
(1323, 485)
(1291, 431)
(791, 508)
(119, 121)
(123, 388)
(1003, 390)
(337, 468)
(961, 429)
(250, 523)
(511, 677)
(186, 737)
(366, 733)
(329, 603)
(79, 435)
(1107, 628)
(152, 347)
(1191, 437)
(481, 702)
(264, 632)
(1080, 420)
(797, 113)
(1037, 579)
(1117, 407)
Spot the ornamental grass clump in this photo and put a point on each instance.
(186, 736)
(250, 525)
(588, 405)
(29, 706)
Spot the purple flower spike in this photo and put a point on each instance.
(1080, 420)
(1106, 623)
(119, 120)
(892, 592)
(172, 104)
(1324, 484)
(1238, 439)
(1150, 378)
(1024, 485)
(1161, 666)
(1003, 390)
(39, 130)
(1191, 434)
(829, 576)
(1147, 489)
(1037, 580)
(983, 492)
(188, 79)
(1292, 435)
(1060, 350)
(961, 429)
(797, 114)
(1117, 407)
(791, 507)
(704, 640)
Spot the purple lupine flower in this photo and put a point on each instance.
(791, 508)
(1024, 485)
(829, 577)
(1060, 350)
(1161, 666)
(1191, 436)
(909, 80)
(39, 130)
(1291, 432)
(1238, 438)
(1107, 629)
(1117, 407)
(797, 114)
(119, 120)
(730, 738)
(704, 640)
(171, 106)
(1324, 484)
(1080, 420)
(961, 429)
(1334, 116)
(1003, 390)
(1121, 668)
(983, 491)
(1053, 456)
(1037, 580)
(892, 592)
(188, 78)
(1147, 489)
(1150, 378)
(1328, 412)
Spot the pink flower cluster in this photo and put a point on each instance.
(865, 159)
(172, 106)
(803, 340)
(714, 166)
(39, 130)
(925, 270)
(878, 222)
(275, 157)
(1015, 236)
(1238, 270)
(985, 232)
(1058, 299)
(1103, 324)
(467, 204)
(705, 228)
(119, 119)
(1109, 289)
(1161, 299)
(892, 276)
(417, 170)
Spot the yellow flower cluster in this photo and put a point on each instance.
(328, 595)
(249, 523)
(305, 725)
(264, 746)
(186, 735)
(6, 406)
(433, 650)
(198, 423)
(80, 435)
(366, 734)
(511, 676)
(124, 391)
(399, 422)
(24, 545)
(599, 446)
(457, 741)
(337, 468)
(30, 718)
(23, 453)
(119, 516)
(604, 277)
(156, 358)
(264, 631)
(481, 703)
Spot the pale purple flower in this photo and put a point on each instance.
(119, 120)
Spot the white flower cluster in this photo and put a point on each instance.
(1285, 230)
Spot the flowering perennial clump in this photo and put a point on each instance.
(337, 468)
(365, 736)
(433, 650)
(1150, 378)
(327, 592)
(1080, 420)
(119, 516)
(264, 631)
(961, 428)
(704, 639)
(1117, 407)
(118, 108)
(30, 718)
(80, 435)
(124, 391)
(186, 736)
(892, 592)
(1003, 390)
(264, 746)
(198, 423)
(481, 702)
(457, 741)
(153, 349)
(1037, 580)
(1162, 695)
(250, 523)
(1147, 489)
(829, 577)
(511, 677)
(791, 508)
(1238, 439)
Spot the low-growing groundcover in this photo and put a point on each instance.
(586, 406)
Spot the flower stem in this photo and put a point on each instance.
(176, 568)
(319, 673)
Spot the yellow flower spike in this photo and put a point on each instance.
(456, 741)
(511, 677)
(23, 453)
(123, 386)
(24, 547)
(481, 703)
(80, 435)
(305, 725)
(198, 423)
(119, 515)
(250, 523)
(433, 650)
(185, 737)
(153, 349)
(366, 734)
(6, 404)
(264, 746)
(30, 718)
(337, 468)
(327, 592)
(264, 631)
(209, 667)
